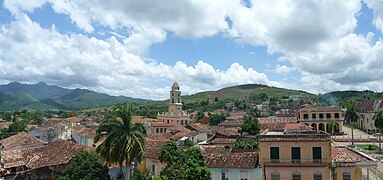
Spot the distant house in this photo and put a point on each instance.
(366, 111)
(231, 165)
(26, 157)
(84, 135)
(150, 159)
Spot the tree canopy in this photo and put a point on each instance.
(183, 164)
(215, 119)
(85, 166)
(378, 118)
(250, 125)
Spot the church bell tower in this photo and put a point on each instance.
(175, 103)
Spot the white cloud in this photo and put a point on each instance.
(316, 37)
(76, 60)
(283, 69)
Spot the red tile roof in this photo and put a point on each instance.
(225, 131)
(232, 160)
(182, 134)
(275, 120)
(345, 157)
(199, 127)
(21, 140)
(159, 136)
(153, 148)
(296, 126)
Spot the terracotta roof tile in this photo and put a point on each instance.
(275, 120)
(182, 134)
(159, 136)
(21, 140)
(232, 122)
(199, 127)
(153, 148)
(232, 160)
(223, 140)
(344, 157)
(161, 124)
(208, 149)
(225, 131)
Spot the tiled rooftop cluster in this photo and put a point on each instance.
(311, 108)
(369, 106)
(345, 157)
(32, 153)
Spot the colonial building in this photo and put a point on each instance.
(297, 154)
(175, 113)
(319, 117)
(366, 111)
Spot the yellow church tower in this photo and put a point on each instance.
(175, 103)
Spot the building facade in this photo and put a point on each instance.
(298, 154)
(366, 111)
(319, 118)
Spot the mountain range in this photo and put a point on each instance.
(41, 96)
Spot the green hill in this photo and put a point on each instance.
(41, 96)
(246, 91)
(340, 97)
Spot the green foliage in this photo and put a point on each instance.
(246, 144)
(35, 117)
(250, 125)
(181, 164)
(16, 127)
(342, 98)
(188, 143)
(378, 118)
(85, 166)
(368, 148)
(351, 115)
(6, 116)
(146, 175)
(215, 119)
(331, 126)
(124, 141)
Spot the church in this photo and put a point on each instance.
(175, 114)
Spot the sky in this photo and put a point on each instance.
(137, 48)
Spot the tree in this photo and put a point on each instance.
(250, 125)
(181, 164)
(351, 117)
(124, 141)
(215, 119)
(84, 166)
(331, 126)
(378, 118)
(146, 175)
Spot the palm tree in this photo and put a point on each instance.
(351, 117)
(124, 141)
(378, 118)
(331, 126)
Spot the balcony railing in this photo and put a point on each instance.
(296, 162)
(321, 119)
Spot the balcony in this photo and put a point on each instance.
(320, 119)
(296, 162)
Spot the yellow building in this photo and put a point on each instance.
(296, 154)
(318, 117)
(175, 113)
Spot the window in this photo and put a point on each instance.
(157, 130)
(317, 176)
(168, 121)
(154, 168)
(336, 115)
(320, 116)
(328, 115)
(305, 116)
(275, 176)
(317, 154)
(212, 175)
(172, 100)
(346, 176)
(296, 176)
(225, 175)
(243, 175)
(296, 154)
(182, 122)
(274, 154)
(314, 116)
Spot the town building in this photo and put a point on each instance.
(350, 164)
(319, 117)
(295, 154)
(175, 113)
(26, 157)
(366, 111)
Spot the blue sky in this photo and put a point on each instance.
(137, 48)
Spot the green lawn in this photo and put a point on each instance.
(368, 148)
